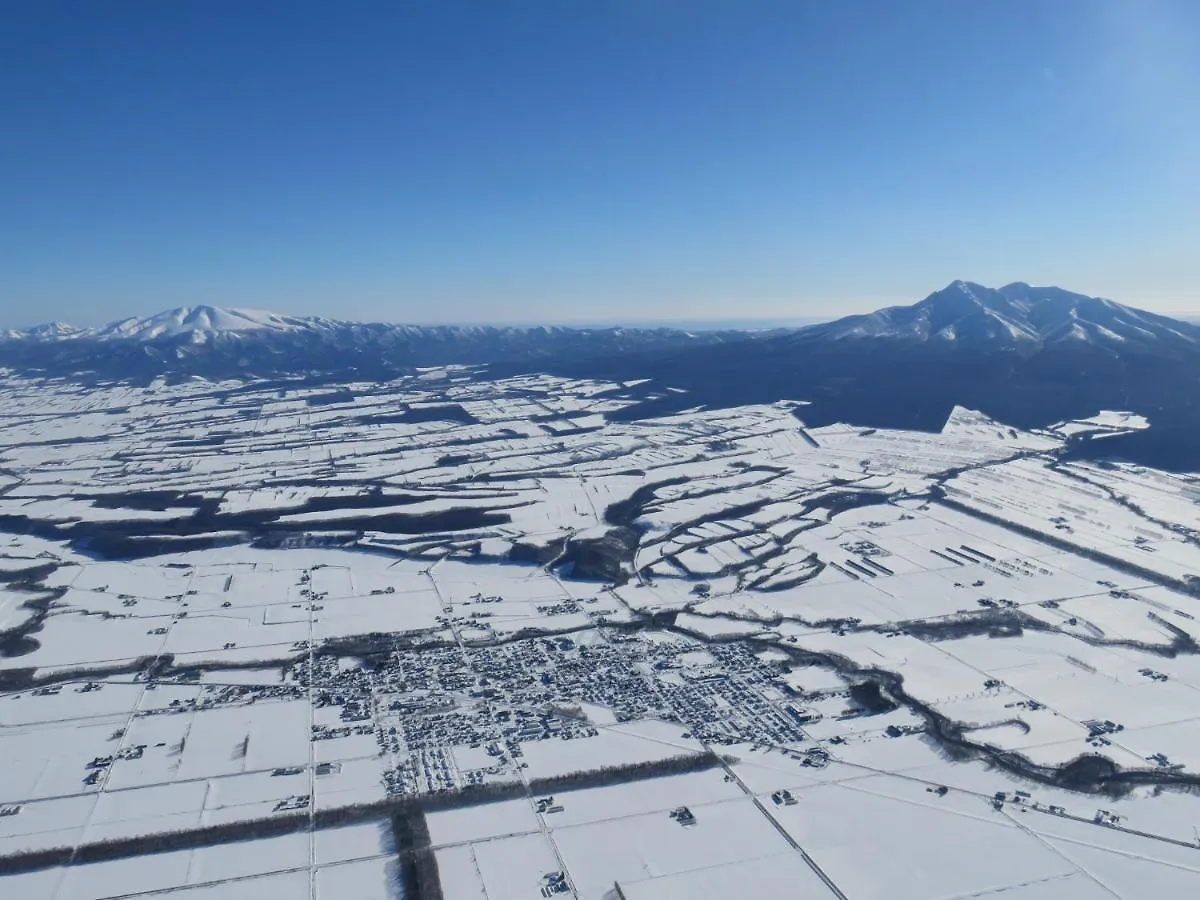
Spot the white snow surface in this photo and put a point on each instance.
(398, 608)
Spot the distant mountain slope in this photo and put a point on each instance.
(1016, 315)
(1023, 355)
(224, 343)
(52, 331)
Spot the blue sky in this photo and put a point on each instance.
(611, 159)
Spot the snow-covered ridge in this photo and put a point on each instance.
(185, 320)
(51, 331)
(214, 342)
(199, 323)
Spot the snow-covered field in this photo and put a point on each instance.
(707, 655)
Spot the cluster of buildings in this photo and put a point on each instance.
(446, 717)
(733, 700)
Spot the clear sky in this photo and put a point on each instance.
(517, 160)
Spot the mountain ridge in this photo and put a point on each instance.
(222, 343)
(211, 321)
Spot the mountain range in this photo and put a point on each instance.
(963, 312)
(1026, 355)
(230, 343)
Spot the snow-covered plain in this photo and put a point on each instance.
(225, 605)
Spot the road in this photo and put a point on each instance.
(812, 863)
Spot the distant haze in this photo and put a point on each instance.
(549, 161)
(749, 324)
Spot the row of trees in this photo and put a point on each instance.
(412, 837)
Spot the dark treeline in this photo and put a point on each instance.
(140, 538)
(609, 558)
(31, 576)
(1189, 586)
(163, 842)
(411, 809)
(1089, 773)
(28, 678)
(419, 875)
(675, 765)
(18, 640)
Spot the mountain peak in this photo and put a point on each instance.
(193, 320)
(1017, 315)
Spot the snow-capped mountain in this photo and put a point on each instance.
(1016, 315)
(214, 342)
(1027, 356)
(196, 323)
